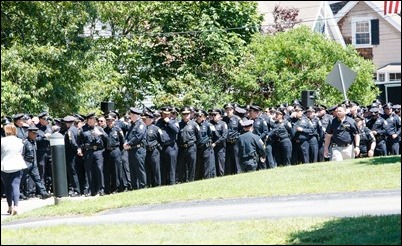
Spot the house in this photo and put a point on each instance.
(363, 24)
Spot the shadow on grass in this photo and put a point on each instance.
(381, 160)
(374, 230)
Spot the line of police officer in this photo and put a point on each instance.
(152, 149)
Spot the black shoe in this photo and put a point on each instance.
(44, 195)
(23, 197)
(101, 193)
(74, 194)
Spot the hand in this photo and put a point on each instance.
(299, 129)
(374, 132)
(166, 119)
(47, 135)
(357, 151)
(79, 152)
(326, 152)
(370, 153)
(394, 136)
(213, 145)
(262, 159)
(126, 146)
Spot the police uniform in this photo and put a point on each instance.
(260, 128)
(379, 127)
(366, 139)
(169, 152)
(187, 140)
(71, 147)
(233, 122)
(29, 154)
(205, 166)
(394, 130)
(21, 131)
(324, 119)
(281, 143)
(153, 156)
(219, 137)
(113, 167)
(43, 150)
(92, 145)
(251, 149)
(301, 138)
(135, 139)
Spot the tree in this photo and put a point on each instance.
(278, 68)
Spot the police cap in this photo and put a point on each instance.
(79, 117)
(247, 123)
(332, 108)
(18, 116)
(5, 121)
(69, 119)
(240, 110)
(116, 112)
(228, 105)
(166, 110)
(255, 108)
(185, 110)
(33, 129)
(396, 106)
(320, 107)
(90, 115)
(135, 111)
(42, 115)
(374, 110)
(148, 114)
(388, 106)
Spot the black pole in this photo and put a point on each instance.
(59, 170)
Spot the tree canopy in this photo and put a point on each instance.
(200, 53)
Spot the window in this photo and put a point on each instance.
(395, 77)
(381, 77)
(365, 32)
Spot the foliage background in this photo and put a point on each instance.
(181, 53)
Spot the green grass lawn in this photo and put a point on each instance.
(355, 175)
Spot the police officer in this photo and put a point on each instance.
(367, 139)
(394, 129)
(379, 127)
(169, 152)
(71, 147)
(92, 140)
(205, 166)
(260, 128)
(112, 168)
(29, 154)
(280, 138)
(325, 119)
(154, 146)
(19, 122)
(43, 153)
(315, 123)
(233, 123)
(301, 131)
(251, 148)
(135, 145)
(187, 140)
(219, 136)
(345, 136)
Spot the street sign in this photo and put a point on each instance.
(341, 77)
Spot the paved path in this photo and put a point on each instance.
(325, 205)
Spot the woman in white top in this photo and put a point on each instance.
(12, 164)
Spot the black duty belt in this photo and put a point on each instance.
(136, 146)
(95, 147)
(186, 145)
(340, 145)
(152, 148)
(232, 141)
(112, 147)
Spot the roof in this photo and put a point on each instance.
(390, 68)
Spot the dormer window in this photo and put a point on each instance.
(365, 32)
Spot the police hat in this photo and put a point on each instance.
(18, 116)
(115, 112)
(79, 117)
(298, 108)
(69, 119)
(320, 107)
(148, 114)
(90, 115)
(157, 113)
(332, 108)
(396, 106)
(25, 125)
(240, 110)
(228, 105)
(216, 111)
(33, 129)
(255, 108)
(135, 111)
(388, 105)
(374, 110)
(359, 117)
(5, 121)
(310, 109)
(247, 123)
(166, 110)
(185, 110)
(201, 112)
(43, 114)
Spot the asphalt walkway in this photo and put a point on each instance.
(311, 205)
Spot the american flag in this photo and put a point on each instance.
(392, 7)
